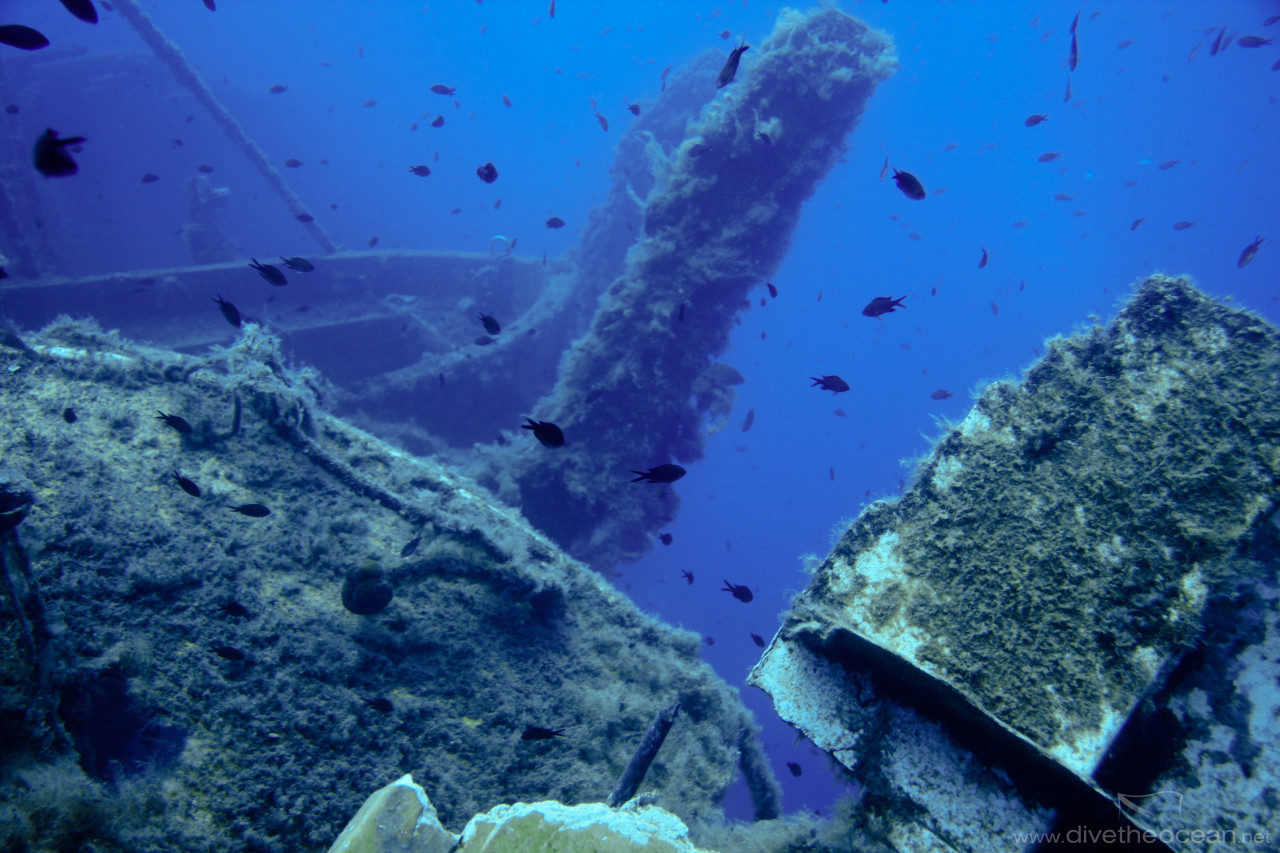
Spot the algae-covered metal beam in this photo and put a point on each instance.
(1053, 562)
(717, 222)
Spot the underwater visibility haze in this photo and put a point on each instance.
(498, 380)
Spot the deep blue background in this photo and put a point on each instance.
(970, 73)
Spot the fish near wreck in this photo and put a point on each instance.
(831, 383)
(882, 305)
(270, 273)
(730, 69)
(50, 158)
(1249, 251)
(909, 184)
(660, 474)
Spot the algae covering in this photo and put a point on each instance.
(637, 389)
(1054, 558)
(186, 677)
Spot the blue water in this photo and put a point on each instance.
(970, 74)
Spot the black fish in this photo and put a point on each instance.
(773, 290)
(687, 575)
(174, 421)
(69, 415)
(1248, 253)
(270, 273)
(51, 160)
(758, 640)
(229, 311)
(187, 485)
(438, 121)
(23, 38)
(740, 592)
(909, 184)
(420, 171)
(82, 9)
(882, 305)
(539, 733)
(1073, 58)
(665, 538)
(546, 432)
(298, 264)
(441, 89)
(731, 65)
(226, 652)
(490, 324)
(483, 341)
(555, 222)
(234, 608)
(660, 474)
(411, 546)
(795, 769)
(831, 383)
(251, 510)
(209, 4)
(488, 173)
(380, 704)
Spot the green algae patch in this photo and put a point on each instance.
(1053, 559)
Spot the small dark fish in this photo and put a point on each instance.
(51, 160)
(749, 419)
(884, 170)
(381, 704)
(149, 178)
(909, 184)
(773, 291)
(604, 122)
(758, 640)
(730, 69)
(506, 102)
(298, 264)
(304, 217)
(11, 109)
(210, 5)
(665, 538)
(1183, 225)
(546, 432)
(23, 38)
(226, 652)
(942, 394)
(1073, 58)
(293, 163)
(277, 89)
(831, 383)
(1063, 197)
(551, 12)
(1066, 98)
(411, 546)
(234, 608)
(69, 414)
(1217, 42)
(82, 9)
(1249, 251)
(441, 89)
(1137, 222)
(1049, 156)
(982, 262)
(270, 273)
(740, 591)
(251, 510)
(176, 422)
(1126, 43)
(229, 311)
(187, 485)
(660, 474)
(687, 575)
(490, 324)
(205, 169)
(539, 733)
(373, 241)
(487, 173)
(882, 305)
(634, 108)
(484, 341)
(555, 222)
(1253, 41)
(665, 72)
(1169, 164)
(369, 103)
(795, 769)
(1033, 120)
